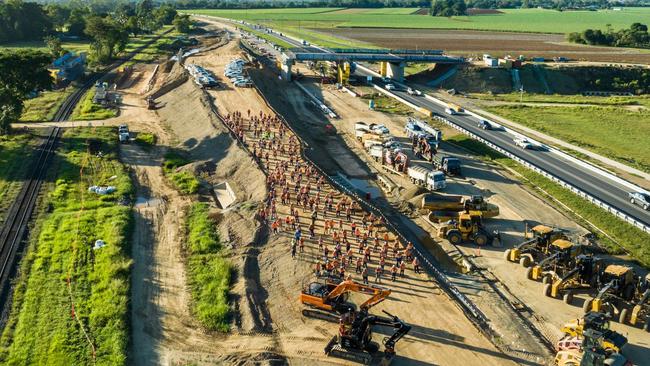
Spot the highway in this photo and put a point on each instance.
(607, 190)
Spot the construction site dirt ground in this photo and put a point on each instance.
(441, 335)
(268, 327)
(519, 209)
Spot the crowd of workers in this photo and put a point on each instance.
(346, 237)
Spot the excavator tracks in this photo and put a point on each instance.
(322, 315)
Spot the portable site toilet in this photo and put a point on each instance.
(371, 104)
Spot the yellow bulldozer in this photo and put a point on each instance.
(611, 341)
(467, 228)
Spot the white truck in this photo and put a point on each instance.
(123, 134)
(376, 151)
(414, 92)
(430, 179)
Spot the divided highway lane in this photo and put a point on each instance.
(606, 190)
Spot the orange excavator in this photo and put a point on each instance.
(328, 300)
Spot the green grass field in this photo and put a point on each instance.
(613, 132)
(209, 273)
(15, 157)
(517, 20)
(566, 99)
(44, 107)
(184, 181)
(61, 268)
(86, 110)
(77, 46)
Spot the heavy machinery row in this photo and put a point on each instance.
(566, 269)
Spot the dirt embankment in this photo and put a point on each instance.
(164, 331)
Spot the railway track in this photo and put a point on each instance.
(15, 229)
(66, 109)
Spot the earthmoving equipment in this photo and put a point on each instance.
(532, 249)
(354, 341)
(612, 341)
(590, 353)
(327, 300)
(447, 164)
(445, 207)
(623, 294)
(560, 259)
(468, 227)
(430, 179)
(583, 277)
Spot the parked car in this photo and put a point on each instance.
(484, 124)
(641, 199)
(524, 143)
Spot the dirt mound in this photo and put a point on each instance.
(413, 192)
(477, 11)
(474, 79)
(204, 167)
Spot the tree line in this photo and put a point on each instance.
(107, 27)
(24, 71)
(636, 36)
(449, 8)
(265, 4)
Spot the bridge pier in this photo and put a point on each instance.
(396, 71)
(393, 70)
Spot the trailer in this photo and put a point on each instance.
(416, 127)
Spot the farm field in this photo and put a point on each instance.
(44, 107)
(637, 100)
(76, 46)
(517, 20)
(70, 302)
(617, 133)
(476, 43)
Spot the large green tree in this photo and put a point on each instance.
(21, 72)
(183, 23)
(108, 37)
(23, 21)
(448, 8)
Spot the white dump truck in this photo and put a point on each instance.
(430, 179)
(376, 151)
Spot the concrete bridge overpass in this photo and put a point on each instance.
(392, 61)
